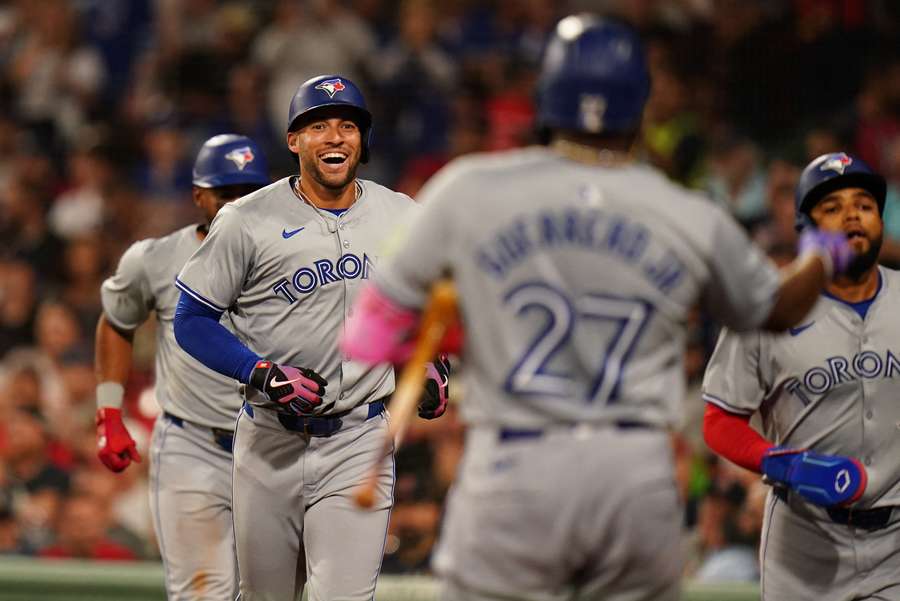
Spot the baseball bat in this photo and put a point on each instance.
(439, 313)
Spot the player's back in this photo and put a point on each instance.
(576, 282)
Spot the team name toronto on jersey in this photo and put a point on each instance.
(590, 229)
(321, 273)
(818, 381)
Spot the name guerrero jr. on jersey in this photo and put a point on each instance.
(590, 229)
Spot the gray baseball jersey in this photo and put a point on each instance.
(144, 282)
(190, 471)
(830, 384)
(575, 282)
(288, 272)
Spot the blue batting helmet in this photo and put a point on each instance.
(332, 90)
(831, 172)
(594, 77)
(230, 159)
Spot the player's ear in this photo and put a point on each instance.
(293, 141)
(197, 195)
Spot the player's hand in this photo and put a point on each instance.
(115, 446)
(832, 247)
(437, 389)
(824, 480)
(299, 388)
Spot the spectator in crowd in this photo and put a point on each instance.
(81, 533)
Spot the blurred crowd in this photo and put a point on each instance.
(103, 104)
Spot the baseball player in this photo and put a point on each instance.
(287, 261)
(826, 392)
(190, 456)
(576, 271)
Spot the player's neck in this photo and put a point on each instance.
(855, 290)
(325, 198)
(591, 154)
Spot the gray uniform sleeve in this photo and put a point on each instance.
(732, 380)
(420, 248)
(215, 273)
(743, 282)
(127, 296)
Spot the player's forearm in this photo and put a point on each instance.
(112, 357)
(112, 362)
(801, 284)
(199, 333)
(731, 436)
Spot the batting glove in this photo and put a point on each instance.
(824, 480)
(115, 446)
(437, 389)
(298, 388)
(832, 247)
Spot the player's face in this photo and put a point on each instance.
(329, 149)
(210, 200)
(853, 211)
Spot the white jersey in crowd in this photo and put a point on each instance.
(144, 282)
(289, 272)
(831, 384)
(576, 282)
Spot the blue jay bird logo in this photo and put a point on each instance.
(331, 87)
(837, 163)
(240, 157)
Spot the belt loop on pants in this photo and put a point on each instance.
(223, 438)
(324, 425)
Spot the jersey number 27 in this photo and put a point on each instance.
(563, 338)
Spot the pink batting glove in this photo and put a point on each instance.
(378, 329)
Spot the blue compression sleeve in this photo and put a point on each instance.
(199, 333)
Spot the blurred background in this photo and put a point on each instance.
(104, 103)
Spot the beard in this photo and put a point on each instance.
(312, 168)
(861, 264)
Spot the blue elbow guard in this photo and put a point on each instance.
(824, 480)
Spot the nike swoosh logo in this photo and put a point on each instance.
(287, 234)
(796, 331)
(275, 383)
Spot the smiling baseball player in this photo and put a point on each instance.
(827, 392)
(190, 457)
(287, 261)
(576, 271)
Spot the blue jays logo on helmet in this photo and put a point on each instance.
(228, 160)
(240, 157)
(831, 172)
(837, 162)
(331, 87)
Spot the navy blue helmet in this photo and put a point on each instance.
(831, 172)
(594, 77)
(332, 90)
(230, 159)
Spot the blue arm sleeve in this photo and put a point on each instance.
(199, 333)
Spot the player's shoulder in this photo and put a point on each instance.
(494, 163)
(374, 192)
(890, 279)
(165, 244)
(150, 248)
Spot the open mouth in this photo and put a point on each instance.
(855, 233)
(333, 158)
